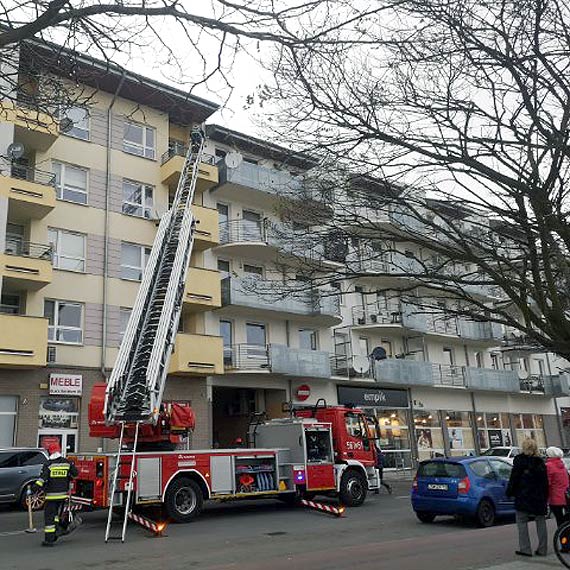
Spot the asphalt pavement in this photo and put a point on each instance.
(262, 535)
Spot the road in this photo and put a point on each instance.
(383, 533)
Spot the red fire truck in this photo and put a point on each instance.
(319, 450)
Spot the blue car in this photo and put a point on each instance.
(470, 487)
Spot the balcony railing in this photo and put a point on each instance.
(21, 172)
(181, 150)
(237, 231)
(534, 383)
(448, 375)
(278, 359)
(491, 380)
(28, 249)
(272, 296)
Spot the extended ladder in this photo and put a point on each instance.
(135, 388)
(115, 484)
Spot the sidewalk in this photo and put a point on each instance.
(534, 563)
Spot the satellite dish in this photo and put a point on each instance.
(15, 150)
(65, 125)
(233, 159)
(378, 353)
(361, 364)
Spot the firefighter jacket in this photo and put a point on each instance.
(55, 478)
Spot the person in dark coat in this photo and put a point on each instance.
(528, 484)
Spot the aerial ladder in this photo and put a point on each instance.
(134, 392)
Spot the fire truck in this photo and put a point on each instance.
(319, 450)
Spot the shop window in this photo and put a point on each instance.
(139, 140)
(459, 433)
(493, 430)
(58, 413)
(8, 412)
(394, 437)
(137, 199)
(429, 434)
(530, 426)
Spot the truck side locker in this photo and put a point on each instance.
(149, 478)
(222, 474)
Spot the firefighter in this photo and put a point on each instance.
(55, 480)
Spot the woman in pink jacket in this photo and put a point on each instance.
(557, 483)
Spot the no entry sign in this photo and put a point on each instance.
(303, 392)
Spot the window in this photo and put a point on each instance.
(80, 119)
(501, 468)
(70, 182)
(308, 339)
(226, 332)
(428, 433)
(65, 321)
(8, 459)
(253, 270)
(139, 140)
(481, 469)
(137, 199)
(125, 315)
(10, 304)
(68, 250)
(8, 411)
(441, 469)
(459, 432)
(250, 160)
(224, 268)
(318, 446)
(220, 154)
(32, 458)
(133, 261)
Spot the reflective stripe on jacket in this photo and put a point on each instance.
(55, 478)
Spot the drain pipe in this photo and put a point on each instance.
(106, 231)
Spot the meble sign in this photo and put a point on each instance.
(68, 384)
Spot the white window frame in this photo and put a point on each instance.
(144, 252)
(62, 184)
(81, 132)
(57, 256)
(124, 316)
(143, 150)
(144, 206)
(52, 329)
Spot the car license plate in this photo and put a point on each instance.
(437, 487)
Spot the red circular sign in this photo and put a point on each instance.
(303, 392)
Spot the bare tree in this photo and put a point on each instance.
(453, 120)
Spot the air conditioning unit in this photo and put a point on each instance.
(51, 354)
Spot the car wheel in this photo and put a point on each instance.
(353, 488)
(425, 517)
(37, 499)
(485, 513)
(183, 501)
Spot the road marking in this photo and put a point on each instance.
(402, 497)
(12, 533)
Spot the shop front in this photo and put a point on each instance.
(392, 411)
(58, 417)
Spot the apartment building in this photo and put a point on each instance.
(78, 215)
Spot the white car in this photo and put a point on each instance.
(506, 453)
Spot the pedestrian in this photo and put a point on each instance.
(528, 484)
(55, 480)
(558, 482)
(380, 469)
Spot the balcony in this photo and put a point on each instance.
(23, 341)
(35, 129)
(278, 359)
(558, 385)
(483, 331)
(487, 379)
(206, 234)
(26, 265)
(31, 192)
(172, 163)
(197, 355)
(202, 291)
(264, 240)
(258, 297)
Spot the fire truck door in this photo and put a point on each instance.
(320, 467)
(221, 468)
(148, 482)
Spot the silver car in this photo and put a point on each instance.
(19, 467)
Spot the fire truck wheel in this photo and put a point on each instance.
(353, 488)
(183, 501)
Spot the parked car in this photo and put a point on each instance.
(470, 487)
(506, 453)
(18, 468)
